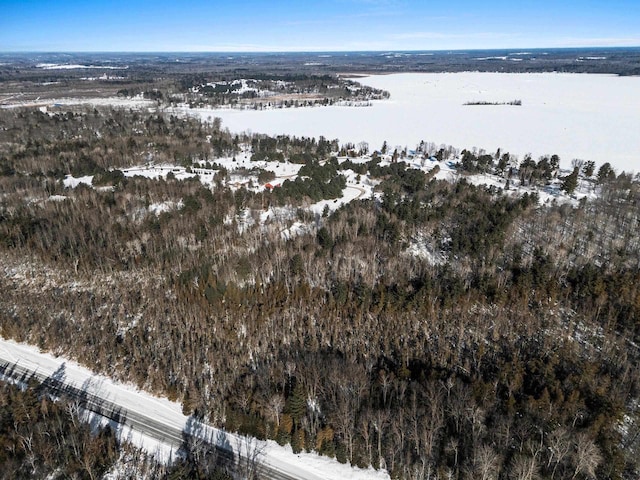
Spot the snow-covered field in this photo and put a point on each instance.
(135, 102)
(586, 116)
(69, 66)
(303, 465)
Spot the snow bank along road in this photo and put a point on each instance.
(158, 425)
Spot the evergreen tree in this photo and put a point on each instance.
(297, 404)
(606, 173)
(589, 168)
(570, 182)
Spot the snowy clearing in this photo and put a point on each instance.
(69, 66)
(136, 102)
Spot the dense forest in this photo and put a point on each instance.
(508, 351)
(41, 437)
(47, 437)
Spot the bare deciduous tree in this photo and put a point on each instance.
(486, 462)
(586, 456)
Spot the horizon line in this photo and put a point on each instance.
(439, 50)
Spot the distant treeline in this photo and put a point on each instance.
(512, 102)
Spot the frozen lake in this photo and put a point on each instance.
(591, 117)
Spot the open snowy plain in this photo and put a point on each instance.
(586, 116)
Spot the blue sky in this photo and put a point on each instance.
(329, 25)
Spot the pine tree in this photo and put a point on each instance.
(297, 404)
(606, 173)
(570, 182)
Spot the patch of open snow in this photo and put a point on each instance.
(491, 58)
(73, 182)
(57, 198)
(350, 193)
(158, 171)
(296, 229)
(161, 207)
(104, 76)
(421, 247)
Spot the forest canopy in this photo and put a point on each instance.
(506, 349)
